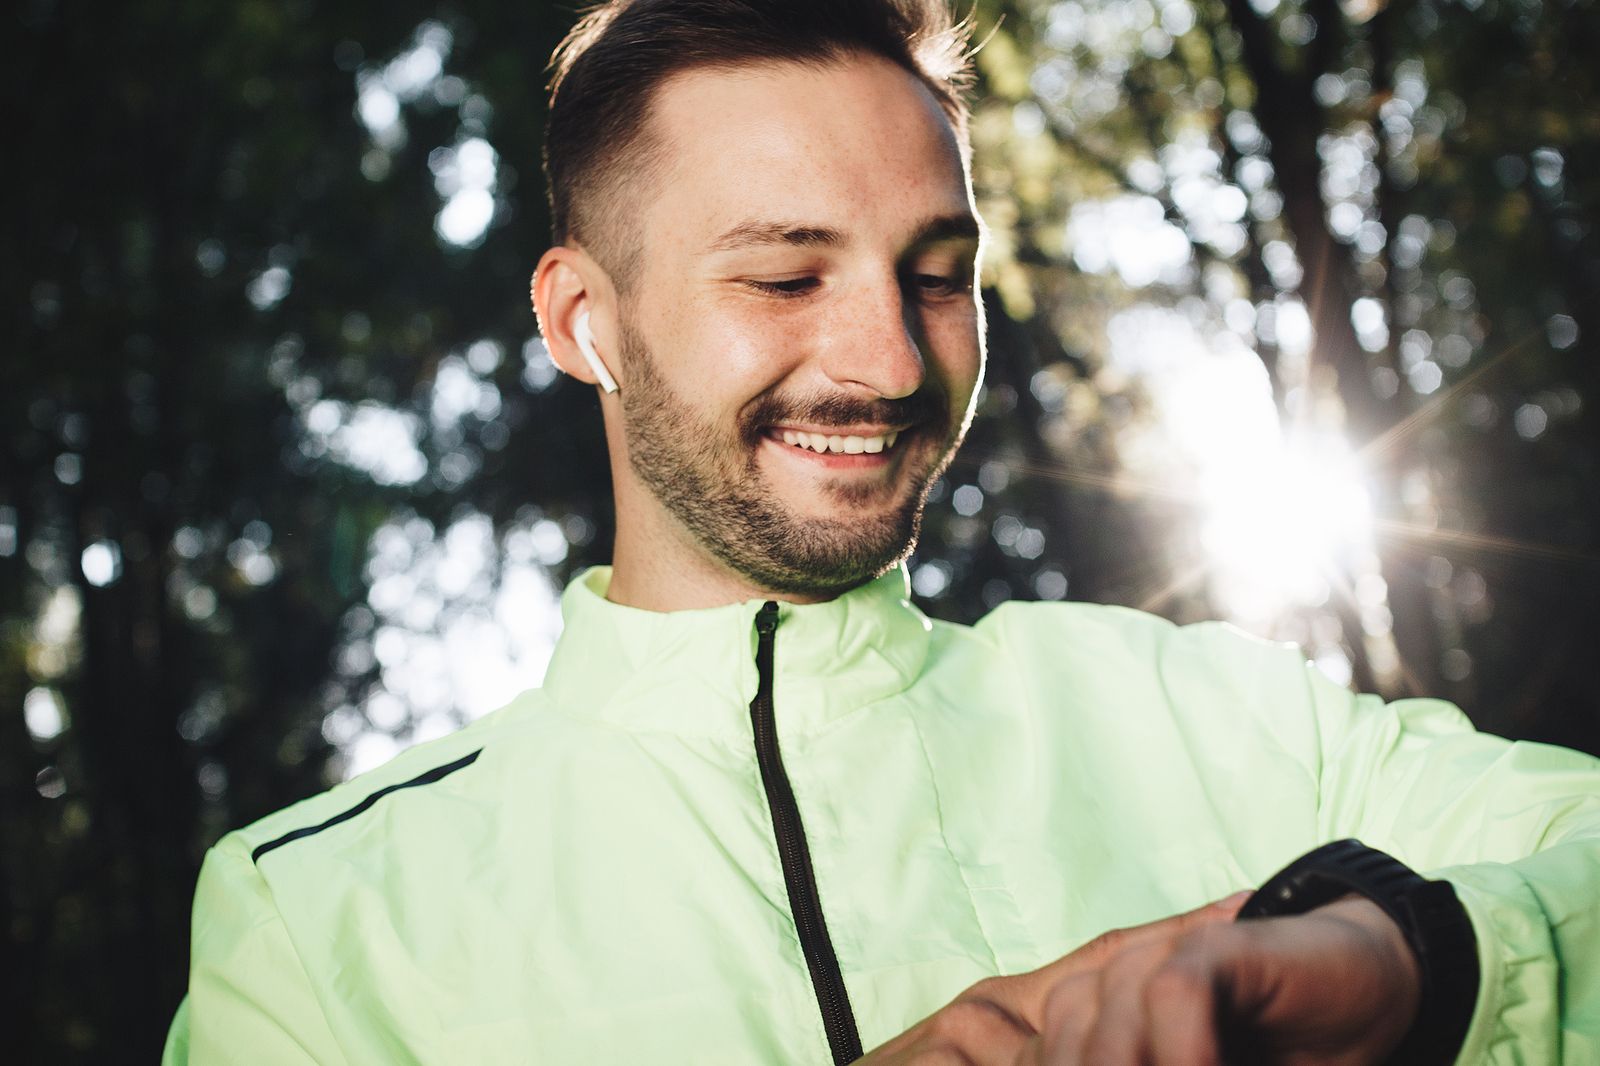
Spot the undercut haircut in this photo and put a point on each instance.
(599, 148)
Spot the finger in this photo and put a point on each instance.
(982, 1030)
(1032, 1053)
(1120, 1032)
(1107, 945)
(1180, 1004)
(1272, 993)
(1069, 1015)
(971, 1031)
(1231, 905)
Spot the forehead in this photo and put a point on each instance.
(858, 145)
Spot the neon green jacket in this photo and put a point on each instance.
(594, 875)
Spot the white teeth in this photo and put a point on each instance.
(838, 444)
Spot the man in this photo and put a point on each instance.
(762, 809)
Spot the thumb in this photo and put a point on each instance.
(1108, 944)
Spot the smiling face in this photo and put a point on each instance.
(800, 347)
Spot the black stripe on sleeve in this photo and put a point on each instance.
(438, 773)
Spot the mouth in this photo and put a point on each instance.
(836, 443)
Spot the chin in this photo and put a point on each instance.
(827, 556)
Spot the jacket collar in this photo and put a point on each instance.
(694, 673)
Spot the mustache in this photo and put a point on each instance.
(924, 405)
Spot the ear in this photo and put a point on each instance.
(567, 286)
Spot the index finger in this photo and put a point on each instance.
(1031, 988)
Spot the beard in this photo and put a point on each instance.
(709, 479)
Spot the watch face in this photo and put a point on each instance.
(1309, 882)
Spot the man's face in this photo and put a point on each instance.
(802, 342)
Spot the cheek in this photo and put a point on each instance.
(691, 350)
(744, 355)
(955, 351)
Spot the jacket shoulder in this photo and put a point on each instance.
(1196, 666)
(1126, 629)
(432, 768)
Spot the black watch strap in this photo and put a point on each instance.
(1428, 913)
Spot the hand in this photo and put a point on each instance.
(998, 1020)
(1338, 986)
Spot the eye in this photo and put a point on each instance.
(941, 273)
(785, 288)
(939, 285)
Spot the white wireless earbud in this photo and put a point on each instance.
(585, 338)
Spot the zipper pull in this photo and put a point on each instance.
(767, 619)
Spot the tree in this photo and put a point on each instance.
(233, 301)
(272, 360)
(1338, 191)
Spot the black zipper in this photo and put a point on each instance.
(837, 1018)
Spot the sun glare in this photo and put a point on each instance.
(1285, 517)
(1285, 525)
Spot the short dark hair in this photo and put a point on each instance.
(607, 69)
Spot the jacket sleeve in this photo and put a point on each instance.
(249, 999)
(1515, 828)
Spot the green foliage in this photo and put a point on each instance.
(1407, 179)
(223, 267)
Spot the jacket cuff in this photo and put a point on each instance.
(1517, 967)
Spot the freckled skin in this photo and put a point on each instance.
(710, 508)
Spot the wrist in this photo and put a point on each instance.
(1392, 956)
(1430, 919)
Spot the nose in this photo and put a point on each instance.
(873, 346)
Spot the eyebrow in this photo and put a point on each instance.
(754, 233)
(961, 227)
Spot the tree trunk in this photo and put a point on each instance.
(1287, 110)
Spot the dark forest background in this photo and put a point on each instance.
(269, 377)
